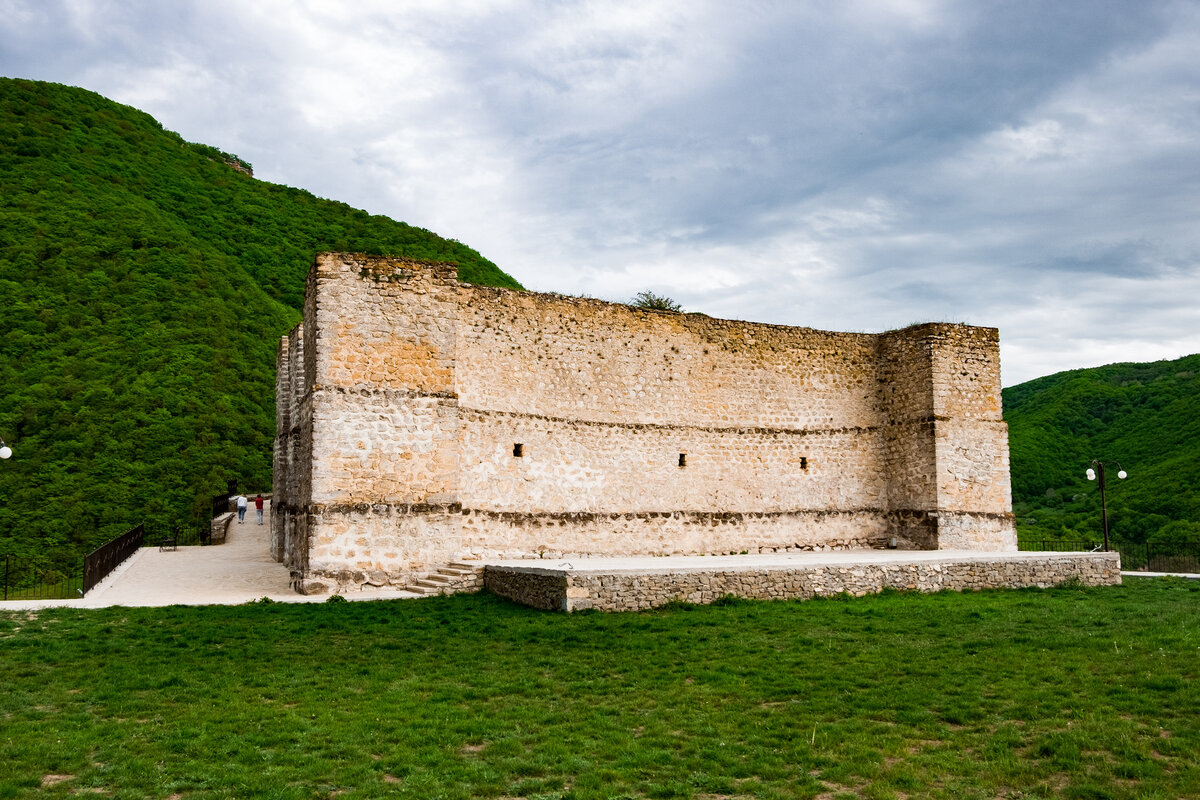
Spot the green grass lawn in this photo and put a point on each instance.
(1077, 693)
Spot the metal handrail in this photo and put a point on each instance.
(105, 558)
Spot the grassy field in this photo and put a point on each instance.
(1075, 693)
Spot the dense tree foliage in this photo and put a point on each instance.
(145, 282)
(1145, 416)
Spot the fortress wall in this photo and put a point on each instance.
(947, 451)
(414, 390)
(297, 482)
(384, 408)
(382, 416)
(572, 466)
(379, 544)
(604, 399)
(489, 534)
(584, 359)
(905, 391)
(280, 469)
(974, 491)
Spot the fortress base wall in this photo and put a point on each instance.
(616, 589)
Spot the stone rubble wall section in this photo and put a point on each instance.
(292, 455)
(281, 452)
(909, 457)
(491, 535)
(381, 544)
(562, 590)
(569, 466)
(587, 360)
(218, 529)
(557, 424)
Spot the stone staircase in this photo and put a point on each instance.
(457, 576)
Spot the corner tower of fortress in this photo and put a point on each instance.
(422, 421)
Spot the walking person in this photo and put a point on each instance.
(258, 506)
(241, 507)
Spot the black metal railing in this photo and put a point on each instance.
(105, 558)
(220, 502)
(23, 581)
(1062, 545)
(1144, 557)
(190, 535)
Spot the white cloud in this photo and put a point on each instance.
(854, 166)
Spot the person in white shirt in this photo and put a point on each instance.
(241, 507)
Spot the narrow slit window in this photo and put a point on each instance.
(518, 451)
(683, 459)
(803, 462)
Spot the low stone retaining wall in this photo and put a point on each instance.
(570, 589)
(220, 527)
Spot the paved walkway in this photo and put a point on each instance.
(238, 571)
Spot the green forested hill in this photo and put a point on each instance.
(1146, 416)
(144, 284)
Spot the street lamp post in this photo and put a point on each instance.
(1096, 470)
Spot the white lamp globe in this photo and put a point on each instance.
(1091, 473)
(1122, 474)
(5, 451)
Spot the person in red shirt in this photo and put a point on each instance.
(258, 506)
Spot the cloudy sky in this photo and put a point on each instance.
(850, 165)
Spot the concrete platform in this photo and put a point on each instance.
(625, 584)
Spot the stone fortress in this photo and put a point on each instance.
(422, 421)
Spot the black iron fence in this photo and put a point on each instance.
(24, 581)
(220, 502)
(29, 580)
(189, 535)
(105, 558)
(1134, 557)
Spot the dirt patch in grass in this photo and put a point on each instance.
(54, 780)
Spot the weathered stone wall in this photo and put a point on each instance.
(582, 359)
(492, 535)
(293, 454)
(280, 466)
(218, 527)
(564, 425)
(566, 590)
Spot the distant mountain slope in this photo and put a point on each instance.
(1146, 416)
(144, 283)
